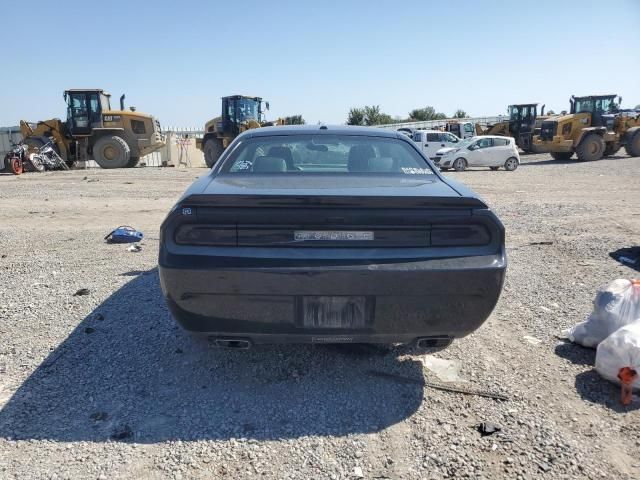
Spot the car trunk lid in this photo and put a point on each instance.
(329, 211)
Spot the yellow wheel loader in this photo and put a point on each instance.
(595, 127)
(522, 125)
(239, 113)
(92, 131)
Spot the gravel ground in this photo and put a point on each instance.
(105, 385)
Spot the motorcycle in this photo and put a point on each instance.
(15, 160)
(46, 158)
(20, 160)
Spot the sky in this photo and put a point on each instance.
(176, 59)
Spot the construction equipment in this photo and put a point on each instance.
(595, 127)
(92, 131)
(239, 113)
(521, 125)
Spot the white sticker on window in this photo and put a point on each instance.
(417, 171)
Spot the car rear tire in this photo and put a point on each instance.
(133, 161)
(633, 145)
(511, 164)
(112, 152)
(460, 165)
(591, 148)
(212, 150)
(561, 155)
(494, 168)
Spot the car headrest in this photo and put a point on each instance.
(269, 164)
(359, 156)
(284, 153)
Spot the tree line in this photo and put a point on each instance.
(371, 115)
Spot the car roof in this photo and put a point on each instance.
(322, 130)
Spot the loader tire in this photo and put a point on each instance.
(133, 161)
(111, 152)
(633, 145)
(591, 148)
(212, 150)
(561, 155)
(611, 148)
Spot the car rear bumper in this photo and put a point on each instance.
(437, 298)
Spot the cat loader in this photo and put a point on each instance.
(93, 131)
(522, 125)
(595, 127)
(239, 113)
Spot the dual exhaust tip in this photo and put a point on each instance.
(235, 343)
(231, 343)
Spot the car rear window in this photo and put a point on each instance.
(500, 142)
(335, 154)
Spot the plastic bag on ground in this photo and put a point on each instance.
(616, 304)
(618, 359)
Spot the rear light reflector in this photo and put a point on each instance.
(459, 235)
(231, 236)
(214, 235)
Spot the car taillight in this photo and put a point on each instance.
(459, 235)
(213, 235)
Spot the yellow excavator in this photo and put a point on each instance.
(92, 131)
(239, 113)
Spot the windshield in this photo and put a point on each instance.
(466, 142)
(335, 154)
(595, 104)
(246, 109)
(520, 112)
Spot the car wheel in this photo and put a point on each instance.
(460, 165)
(511, 164)
(494, 168)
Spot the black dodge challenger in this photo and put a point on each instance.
(320, 234)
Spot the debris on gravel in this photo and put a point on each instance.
(106, 385)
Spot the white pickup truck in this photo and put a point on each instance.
(431, 141)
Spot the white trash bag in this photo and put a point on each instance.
(616, 304)
(618, 359)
